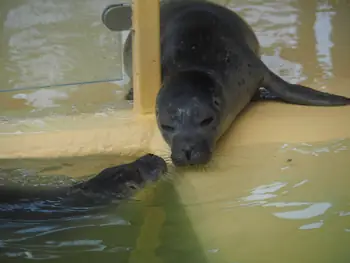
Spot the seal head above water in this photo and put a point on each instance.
(113, 183)
(122, 181)
(211, 70)
(189, 115)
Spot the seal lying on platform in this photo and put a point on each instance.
(113, 183)
(211, 69)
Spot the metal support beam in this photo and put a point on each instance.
(146, 54)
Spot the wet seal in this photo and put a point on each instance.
(211, 70)
(113, 183)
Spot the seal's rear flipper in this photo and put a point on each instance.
(117, 17)
(264, 94)
(298, 94)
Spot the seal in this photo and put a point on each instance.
(211, 70)
(113, 183)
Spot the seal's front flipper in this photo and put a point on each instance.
(117, 17)
(298, 94)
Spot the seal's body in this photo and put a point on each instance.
(211, 69)
(113, 183)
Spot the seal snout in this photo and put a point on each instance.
(190, 153)
(151, 167)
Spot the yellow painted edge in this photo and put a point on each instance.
(146, 54)
(129, 134)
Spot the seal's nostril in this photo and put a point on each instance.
(188, 153)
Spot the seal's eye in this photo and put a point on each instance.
(133, 187)
(206, 121)
(167, 128)
(217, 102)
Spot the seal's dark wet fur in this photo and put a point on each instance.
(113, 183)
(211, 69)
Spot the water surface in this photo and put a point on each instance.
(151, 227)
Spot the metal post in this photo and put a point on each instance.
(146, 54)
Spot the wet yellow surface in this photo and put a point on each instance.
(47, 42)
(273, 203)
(277, 188)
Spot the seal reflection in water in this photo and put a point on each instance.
(211, 70)
(113, 183)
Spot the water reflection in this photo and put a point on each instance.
(250, 209)
(313, 210)
(262, 195)
(47, 42)
(54, 238)
(146, 228)
(335, 146)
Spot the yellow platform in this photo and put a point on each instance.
(126, 133)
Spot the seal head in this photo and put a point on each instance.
(122, 180)
(150, 167)
(188, 116)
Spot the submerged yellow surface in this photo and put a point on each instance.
(277, 188)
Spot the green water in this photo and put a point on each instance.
(149, 228)
(270, 203)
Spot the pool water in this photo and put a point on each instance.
(271, 203)
(129, 231)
